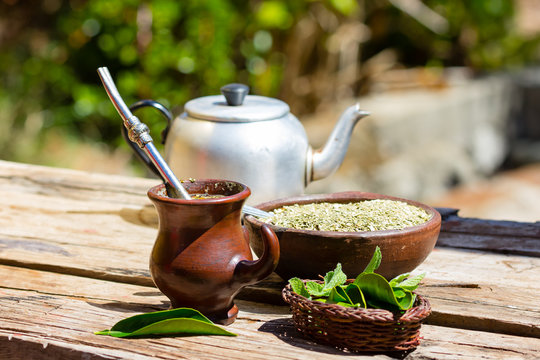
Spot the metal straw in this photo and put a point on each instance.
(140, 134)
(249, 210)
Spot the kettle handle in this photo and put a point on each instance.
(138, 151)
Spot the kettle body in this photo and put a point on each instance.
(268, 155)
(251, 139)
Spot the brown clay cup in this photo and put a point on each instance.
(307, 254)
(201, 257)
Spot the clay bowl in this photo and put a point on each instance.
(308, 253)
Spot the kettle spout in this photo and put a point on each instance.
(324, 162)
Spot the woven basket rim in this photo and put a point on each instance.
(418, 312)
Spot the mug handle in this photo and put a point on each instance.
(138, 151)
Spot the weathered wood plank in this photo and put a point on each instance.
(461, 305)
(496, 307)
(504, 303)
(491, 235)
(97, 226)
(518, 245)
(56, 319)
(454, 223)
(64, 324)
(68, 323)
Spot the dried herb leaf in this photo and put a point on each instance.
(367, 215)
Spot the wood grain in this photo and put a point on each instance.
(51, 316)
(103, 227)
(509, 237)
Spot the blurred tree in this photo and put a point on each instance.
(305, 52)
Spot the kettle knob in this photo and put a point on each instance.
(235, 93)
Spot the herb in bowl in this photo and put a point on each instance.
(366, 215)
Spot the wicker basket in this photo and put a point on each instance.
(358, 330)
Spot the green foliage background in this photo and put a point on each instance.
(173, 51)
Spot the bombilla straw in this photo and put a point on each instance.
(250, 210)
(140, 134)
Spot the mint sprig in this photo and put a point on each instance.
(369, 289)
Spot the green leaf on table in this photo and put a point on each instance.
(334, 278)
(378, 291)
(411, 283)
(175, 321)
(375, 261)
(297, 285)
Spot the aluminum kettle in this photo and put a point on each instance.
(251, 139)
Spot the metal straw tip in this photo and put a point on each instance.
(249, 210)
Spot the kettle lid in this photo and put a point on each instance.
(236, 106)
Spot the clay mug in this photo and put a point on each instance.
(201, 257)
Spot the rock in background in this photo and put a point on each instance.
(418, 143)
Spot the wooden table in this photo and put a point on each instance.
(74, 250)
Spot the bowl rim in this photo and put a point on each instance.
(345, 197)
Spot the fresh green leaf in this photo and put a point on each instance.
(334, 278)
(173, 326)
(375, 261)
(139, 321)
(102, 332)
(398, 279)
(338, 295)
(176, 321)
(408, 300)
(368, 289)
(377, 304)
(297, 285)
(348, 304)
(356, 295)
(411, 283)
(399, 293)
(315, 289)
(376, 289)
